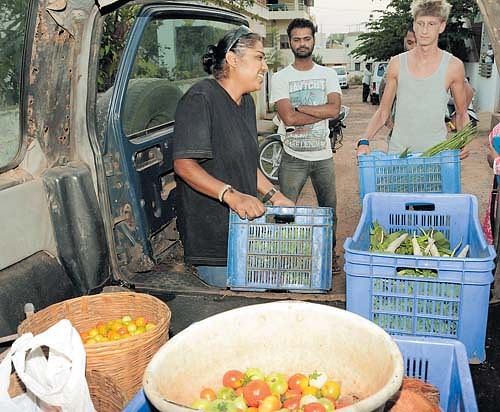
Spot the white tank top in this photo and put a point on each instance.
(420, 108)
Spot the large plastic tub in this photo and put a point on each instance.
(288, 248)
(382, 172)
(442, 362)
(454, 303)
(285, 336)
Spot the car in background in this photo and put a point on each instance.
(379, 69)
(342, 76)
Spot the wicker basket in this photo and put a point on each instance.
(106, 395)
(123, 360)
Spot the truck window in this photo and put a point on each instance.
(167, 63)
(13, 19)
(115, 31)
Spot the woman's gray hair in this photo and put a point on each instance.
(237, 41)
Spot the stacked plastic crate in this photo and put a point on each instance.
(381, 172)
(451, 301)
(432, 300)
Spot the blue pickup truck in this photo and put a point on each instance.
(88, 94)
(87, 192)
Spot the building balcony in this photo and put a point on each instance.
(289, 9)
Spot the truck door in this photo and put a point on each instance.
(135, 112)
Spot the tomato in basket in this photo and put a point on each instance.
(233, 379)
(255, 391)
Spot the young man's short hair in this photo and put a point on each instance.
(300, 23)
(433, 8)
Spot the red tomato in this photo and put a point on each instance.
(233, 379)
(298, 382)
(292, 403)
(314, 407)
(255, 391)
(239, 391)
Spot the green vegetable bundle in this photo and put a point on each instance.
(458, 141)
(428, 243)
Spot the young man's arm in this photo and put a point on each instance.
(308, 114)
(469, 94)
(458, 90)
(323, 111)
(383, 112)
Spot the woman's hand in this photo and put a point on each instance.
(279, 199)
(246, 206)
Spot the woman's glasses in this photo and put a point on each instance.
(238, 34)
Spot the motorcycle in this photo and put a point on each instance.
(271, 149)
(450, 115)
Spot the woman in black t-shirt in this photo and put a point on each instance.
(216, 152)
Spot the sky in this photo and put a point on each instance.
(341, 16)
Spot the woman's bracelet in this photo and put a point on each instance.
(223, 191)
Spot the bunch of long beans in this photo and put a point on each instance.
(458, 141)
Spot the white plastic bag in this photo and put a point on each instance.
(22, 403)
(58, 380)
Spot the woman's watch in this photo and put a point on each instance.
(268, 196)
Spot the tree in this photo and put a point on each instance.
(385, 36)
(12, 27)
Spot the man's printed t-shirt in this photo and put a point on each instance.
(311, 87)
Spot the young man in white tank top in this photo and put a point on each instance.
(420, 79)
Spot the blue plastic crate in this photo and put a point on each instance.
(288, 248)
(443, 363)
(454, 303)
(382, 172)
(139, 403)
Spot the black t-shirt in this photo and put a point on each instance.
(222, 135)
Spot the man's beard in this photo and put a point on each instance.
(303, 53)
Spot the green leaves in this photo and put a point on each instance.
(405, 153)
(380, 241)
